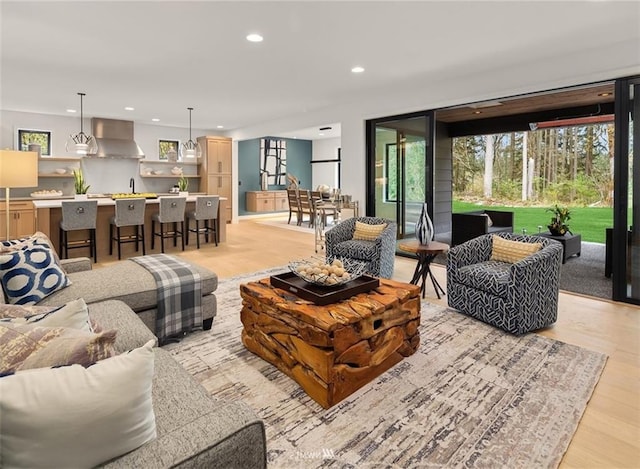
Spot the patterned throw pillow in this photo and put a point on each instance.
(366, 232)
(31, 274)
(25, 346)
(505, 250)
(74, 314)
(38, 239)
(79, 417)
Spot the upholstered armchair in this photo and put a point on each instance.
(378, 254)
(469, 225)
(518, 296)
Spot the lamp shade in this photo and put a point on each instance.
(18, 168)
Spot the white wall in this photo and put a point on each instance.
(325, 173)
(105, 175)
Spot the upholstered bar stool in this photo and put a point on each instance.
(78, 215)
(171, 211)
(129, 212)
(207, 212)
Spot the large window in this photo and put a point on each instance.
(39, 137)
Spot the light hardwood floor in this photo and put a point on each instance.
(609, 433)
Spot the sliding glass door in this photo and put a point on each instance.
(626, 217)
(400, 177)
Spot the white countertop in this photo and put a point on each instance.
(57, 203)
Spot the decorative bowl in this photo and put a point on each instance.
(60, 171)
(327, 272)
(177, 171)
(157, 172)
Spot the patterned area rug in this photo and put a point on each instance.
(472, 396)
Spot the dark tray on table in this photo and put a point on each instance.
(323, 295)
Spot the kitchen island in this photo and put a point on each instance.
(48, 214)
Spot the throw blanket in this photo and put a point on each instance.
(179, 294)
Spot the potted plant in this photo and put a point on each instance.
(183, 186)
(80, 185)
(558, 225)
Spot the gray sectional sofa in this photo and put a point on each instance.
(129, 282)
(194, 430)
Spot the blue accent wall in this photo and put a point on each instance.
(299, 154)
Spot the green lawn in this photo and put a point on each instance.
(590, 223)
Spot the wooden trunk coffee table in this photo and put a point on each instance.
(332, 350)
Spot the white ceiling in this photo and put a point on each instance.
(161, 57)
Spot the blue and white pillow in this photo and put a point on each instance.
(31, 274)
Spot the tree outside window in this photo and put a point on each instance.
(167, 146)
(40, 137)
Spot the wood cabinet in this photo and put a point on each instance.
(21, 219)
(215, 169)
(267, 201)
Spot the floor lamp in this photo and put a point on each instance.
(17, 169)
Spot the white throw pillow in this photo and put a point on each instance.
(77, 417)
(74, 314)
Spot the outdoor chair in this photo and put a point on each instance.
(517, 296)
(469, 225)
(378, 252)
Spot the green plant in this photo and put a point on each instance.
(561, 215)
(183, 183)
(80, 184)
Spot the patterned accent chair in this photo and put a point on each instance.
(379, 254)
(518, 297)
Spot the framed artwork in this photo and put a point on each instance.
(273, 160)
(40, 137)
(167, 148)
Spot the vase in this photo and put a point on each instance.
(424, 227)
(557, 230)
(80, 197)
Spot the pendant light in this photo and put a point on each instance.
(81, 143)
(191, 149)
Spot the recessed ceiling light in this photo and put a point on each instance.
(321, 134)
(71, 110)
(128, 108)
(357, 69)
(155, 119)
(253, 37)
(219, 126)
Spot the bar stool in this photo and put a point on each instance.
(129, 212)
(171, 211)
(206, 210)
(78, 215)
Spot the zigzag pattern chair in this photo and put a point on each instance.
(379, 255)
(518, 297)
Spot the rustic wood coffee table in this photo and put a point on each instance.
(332, 350)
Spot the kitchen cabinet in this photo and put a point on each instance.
(267, 201)
(215, 169)
(21, 219)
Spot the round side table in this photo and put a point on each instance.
(426, 253)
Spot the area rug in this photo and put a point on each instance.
(471, 396)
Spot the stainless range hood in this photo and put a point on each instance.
(114, 139)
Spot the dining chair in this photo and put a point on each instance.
(172, 210)
(206, 211)
(128, 212)
(78, 216)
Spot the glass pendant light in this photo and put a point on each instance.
(191, 149)
(81, 144)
